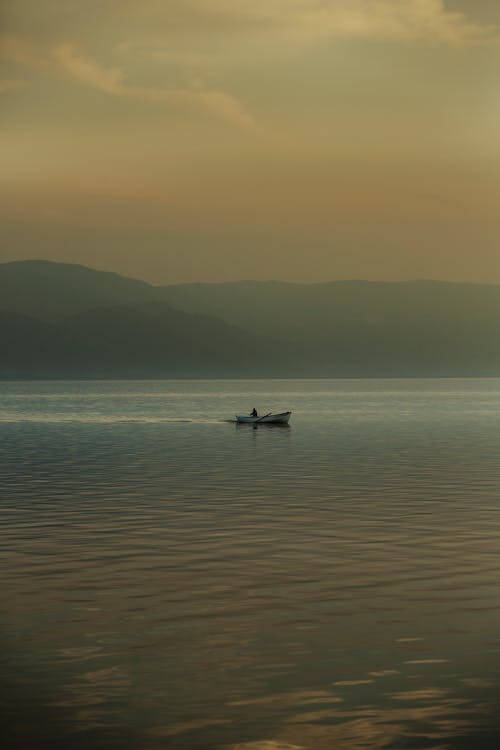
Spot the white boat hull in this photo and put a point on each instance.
(282, 418)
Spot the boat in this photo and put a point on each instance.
(265, 418)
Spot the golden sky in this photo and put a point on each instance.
(208, 140)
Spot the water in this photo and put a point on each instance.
(171, 580)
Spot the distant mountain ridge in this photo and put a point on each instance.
(61, 320)
(65, 320)
(49, 290)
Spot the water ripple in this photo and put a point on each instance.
(170, 580)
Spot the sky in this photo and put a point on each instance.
(217, 140)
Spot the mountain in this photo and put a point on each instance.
(62, 320)
(362, 328)
(26, 344)
(150, 340)
(299, 311)
(58, 320)
(48, 290)
(154, 340)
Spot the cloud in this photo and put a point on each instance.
(392, 19)
(89, 72)
(111, 81)
(11, 85)
(427, 20)
(217, 34)
(65, 58)
(22, 51)
(217, 103)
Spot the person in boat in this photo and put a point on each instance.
(254, 412)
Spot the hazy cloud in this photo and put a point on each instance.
(331, 138)
(22, 50)
(389, 19)
(110, 80)
(66, 58)
(88, 71)
(383, 19)
(10, 85)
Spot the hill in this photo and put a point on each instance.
(62, 320)
(153, 340)
(362, 328)
(49, 291)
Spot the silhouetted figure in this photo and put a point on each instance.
(254, 412)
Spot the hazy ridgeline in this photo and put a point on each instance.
(62, 320)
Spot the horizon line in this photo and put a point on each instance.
(347, 280)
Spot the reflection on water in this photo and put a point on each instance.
(172, 580)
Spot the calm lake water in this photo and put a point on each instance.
(171, 580)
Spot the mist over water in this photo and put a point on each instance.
(172, 580)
